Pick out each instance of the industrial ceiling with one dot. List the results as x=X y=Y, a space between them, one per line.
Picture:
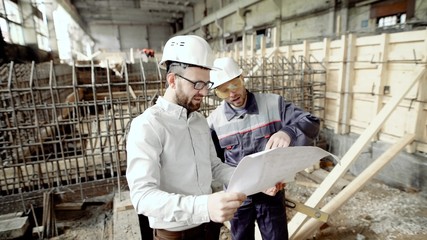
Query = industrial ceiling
x=132 y=11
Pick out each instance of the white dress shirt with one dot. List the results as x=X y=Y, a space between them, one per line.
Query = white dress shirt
x=171 y=162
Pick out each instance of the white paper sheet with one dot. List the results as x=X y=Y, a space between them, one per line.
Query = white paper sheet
x=260 y=171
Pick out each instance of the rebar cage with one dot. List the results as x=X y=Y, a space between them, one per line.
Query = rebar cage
x=62 y=125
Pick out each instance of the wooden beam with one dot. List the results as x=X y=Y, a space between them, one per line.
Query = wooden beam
x=381 y=76
x=263 y=46
x=276 y=35
x=354 y=152
x=341 y=84
x=237 y=52
x=360 y=181
x=348 y=75
x=244 y=43
x=14 y=228
x=69 y=206
x=253 y=45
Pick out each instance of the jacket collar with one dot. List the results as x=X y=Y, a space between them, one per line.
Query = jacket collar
x=251 y=107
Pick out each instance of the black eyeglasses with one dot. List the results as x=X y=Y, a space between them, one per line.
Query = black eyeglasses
x=198 y=85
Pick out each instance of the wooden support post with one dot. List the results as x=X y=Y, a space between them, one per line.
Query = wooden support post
x=236 y=52
x=354 y=152
x=276 y=35
x=263 y=46
x=289 y=52
x=342 y=197
x=253 y=46
x=341 y=84
x=347 y=101
x=325 y=62
x=381 y=76
x=244 y=42
x=305 y=50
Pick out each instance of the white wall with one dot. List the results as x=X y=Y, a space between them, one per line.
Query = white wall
x=105 y=36
x=133 y=37
x=123 y=37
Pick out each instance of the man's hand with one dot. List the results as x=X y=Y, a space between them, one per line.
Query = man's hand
x=279 y=139
x=222 y=205
x=274 y=190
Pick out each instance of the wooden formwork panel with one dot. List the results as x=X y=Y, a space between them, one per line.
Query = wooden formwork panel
x=362 y=74
x=329 y=111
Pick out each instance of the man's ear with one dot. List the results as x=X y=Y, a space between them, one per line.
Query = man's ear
x=170 y=78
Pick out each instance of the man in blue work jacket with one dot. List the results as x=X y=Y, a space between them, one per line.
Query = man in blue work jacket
x=246 y=123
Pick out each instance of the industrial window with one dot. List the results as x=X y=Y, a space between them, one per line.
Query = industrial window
x=2 y=10
x=4 y=31
x=11 y=23
x=392 y=13
x=40 y=22
x=16 y=34
x=394 y=20
x=12 y=11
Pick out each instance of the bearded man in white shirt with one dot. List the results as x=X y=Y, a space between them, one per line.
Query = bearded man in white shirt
x=171 y=159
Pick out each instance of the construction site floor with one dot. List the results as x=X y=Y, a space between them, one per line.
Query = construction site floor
x=377 y=211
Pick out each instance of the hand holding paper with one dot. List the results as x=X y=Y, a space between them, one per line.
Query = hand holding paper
x=260 y=171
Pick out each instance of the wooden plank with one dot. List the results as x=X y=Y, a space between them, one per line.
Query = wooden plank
x=69 y=206
x=404 y=37
x=368 y=40
x=11 y=215
x=253 y=46
x=379 y=82
x=348 y=75
x=354 y=152
x=305 y=51
x=342 y=197
x=263 y=46
x=312 y=212
x=277 y=34
x=37 y=232
x=340 y=84
x=14 y=228
x=235 y=53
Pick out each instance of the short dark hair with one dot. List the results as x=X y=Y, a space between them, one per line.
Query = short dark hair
x=170 y=66
x=175 y=67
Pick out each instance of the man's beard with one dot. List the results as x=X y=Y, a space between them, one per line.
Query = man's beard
x=185 y=102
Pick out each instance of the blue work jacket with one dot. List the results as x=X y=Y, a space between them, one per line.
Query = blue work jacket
x=240 y=133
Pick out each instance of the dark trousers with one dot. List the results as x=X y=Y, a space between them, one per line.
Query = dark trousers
x=144 y=226
x=269 y=213
x=207 y=231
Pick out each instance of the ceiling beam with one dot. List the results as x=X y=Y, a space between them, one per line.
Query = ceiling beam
x=148 y=5
x=131 y=15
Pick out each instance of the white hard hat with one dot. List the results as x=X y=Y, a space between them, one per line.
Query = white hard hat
x=189 y=49
x=229 y=70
